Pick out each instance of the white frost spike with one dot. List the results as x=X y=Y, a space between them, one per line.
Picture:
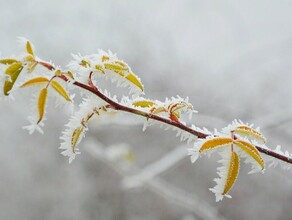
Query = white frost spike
x=145 y=125
x=194 y=154
x=274 y=162
x=33 y=126
x=204 y=130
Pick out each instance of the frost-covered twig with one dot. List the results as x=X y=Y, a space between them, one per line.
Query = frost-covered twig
x=237 y=140
x=117 y=106
x=181 y=126
x=199 y=134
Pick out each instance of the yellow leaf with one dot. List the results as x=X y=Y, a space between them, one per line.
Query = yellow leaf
x=249 y=132
x=158 y=110
x=115 y=67
x=121 y=63
x=215 y=142
x=59 y=89
x=252 y=151
x=75 y=137
x=135 y=80
x=84 y=63
x=37 y=80
x=42 y=103
x=13 y=68
x=99 y=68
x=105 y=58
x=174 y=107
x=8 y=61
x=29 y=48
x=232 y=172
x=13 y=71
x=144 y=103
x=121 y=73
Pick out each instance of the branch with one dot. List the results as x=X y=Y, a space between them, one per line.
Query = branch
x=181 y=126
x=117 y=106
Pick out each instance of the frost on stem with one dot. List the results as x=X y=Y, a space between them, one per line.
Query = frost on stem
x=43 y=80
x=273 y=162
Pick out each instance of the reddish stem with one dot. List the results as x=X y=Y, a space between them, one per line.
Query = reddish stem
x=47 y=65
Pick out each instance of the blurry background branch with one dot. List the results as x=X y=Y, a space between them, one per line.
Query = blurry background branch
x=148 y=177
